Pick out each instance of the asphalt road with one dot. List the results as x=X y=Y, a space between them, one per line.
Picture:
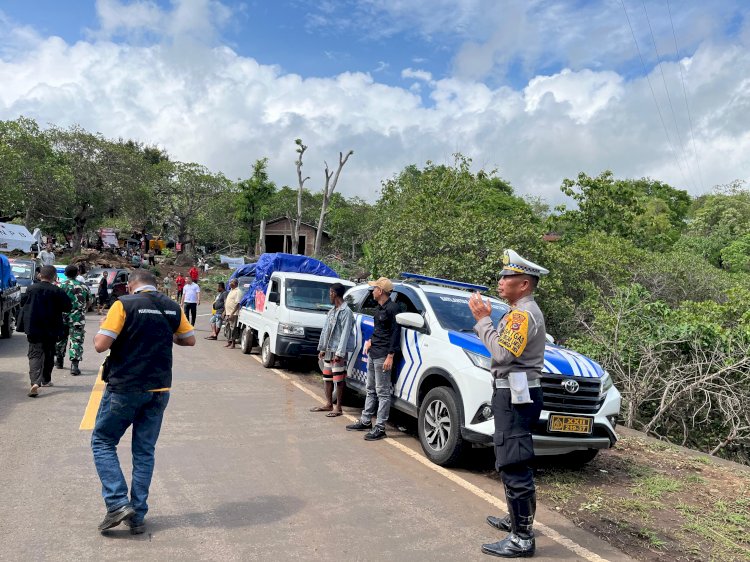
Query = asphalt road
x=243 y=472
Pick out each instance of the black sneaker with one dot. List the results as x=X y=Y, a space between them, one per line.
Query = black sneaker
x=114 y=518
x=74 y=370
x=376 y=433
x=136 y=528
x=359 y=426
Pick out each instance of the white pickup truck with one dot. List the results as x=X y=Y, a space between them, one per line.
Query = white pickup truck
x=287 y=319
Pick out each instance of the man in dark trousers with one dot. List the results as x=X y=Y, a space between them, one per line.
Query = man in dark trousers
x=44 y=304
x=139 y=331
x=381 y=350
x=517 y=350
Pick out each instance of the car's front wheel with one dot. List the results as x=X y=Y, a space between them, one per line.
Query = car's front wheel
x=439 y=426
x=267 y=357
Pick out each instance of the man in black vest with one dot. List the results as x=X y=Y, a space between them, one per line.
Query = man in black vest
x=42 y=319
x=139 y=331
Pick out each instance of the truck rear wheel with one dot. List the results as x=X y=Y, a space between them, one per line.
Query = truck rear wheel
x=8 y=325
x=247 y=341
x=267 y=357
x=439 y=426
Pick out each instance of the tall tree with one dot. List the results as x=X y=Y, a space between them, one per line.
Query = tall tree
x=189 y=190
x=32 y=174
x=332 y=179
x=295 y=222
x=253 y=194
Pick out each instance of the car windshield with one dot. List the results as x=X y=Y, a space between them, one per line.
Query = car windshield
x=308 y=295
x=453 y=311
x=21 y=270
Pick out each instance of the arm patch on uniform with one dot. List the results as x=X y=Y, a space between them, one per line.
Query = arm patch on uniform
x=515 y=334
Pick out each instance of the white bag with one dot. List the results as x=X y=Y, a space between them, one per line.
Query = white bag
x=519 y=388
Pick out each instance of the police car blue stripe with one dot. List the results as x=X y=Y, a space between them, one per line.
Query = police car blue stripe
x=416 y=369
x=577 y=368
x=595 y=367
x=551 y=368
x=469 y=342
x=411 y=364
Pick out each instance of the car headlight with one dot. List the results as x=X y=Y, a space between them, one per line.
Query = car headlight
x=291 y=330
x=606 y=383
x=480 y=361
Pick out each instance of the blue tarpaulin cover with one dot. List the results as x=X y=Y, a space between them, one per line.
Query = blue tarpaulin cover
x=243 y=271
x=7 y=279
x=267 y=264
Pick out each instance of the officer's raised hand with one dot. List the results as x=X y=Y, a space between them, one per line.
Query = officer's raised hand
x=479 y=308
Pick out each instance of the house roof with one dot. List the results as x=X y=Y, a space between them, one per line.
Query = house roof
x=279 y=219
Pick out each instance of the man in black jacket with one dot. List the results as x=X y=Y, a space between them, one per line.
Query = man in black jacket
x=139 y=331
x=42 y=318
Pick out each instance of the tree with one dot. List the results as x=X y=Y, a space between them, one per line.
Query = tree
x=189 y=189
x=31 y=172
x=436 y=221
x=648 y=212
x=328 y=189
x=351 y=223
x=253 y=194
x=296 y=220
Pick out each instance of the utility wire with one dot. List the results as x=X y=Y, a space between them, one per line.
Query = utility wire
x=680 y=144
x=653 y=95
x=687 y=106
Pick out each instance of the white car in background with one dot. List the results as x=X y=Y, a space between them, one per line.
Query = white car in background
x=443 y=376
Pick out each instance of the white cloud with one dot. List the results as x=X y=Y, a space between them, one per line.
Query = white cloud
x=586 y=92
x=416 y=74
x=210 y=105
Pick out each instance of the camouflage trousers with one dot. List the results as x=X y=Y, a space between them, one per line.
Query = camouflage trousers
x=75 y=332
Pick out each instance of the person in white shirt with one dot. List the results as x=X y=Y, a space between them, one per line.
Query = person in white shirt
x=191 y=298
x=46 y=256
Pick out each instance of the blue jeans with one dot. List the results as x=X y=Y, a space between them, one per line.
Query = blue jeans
x=378 y=392
x=118 y=411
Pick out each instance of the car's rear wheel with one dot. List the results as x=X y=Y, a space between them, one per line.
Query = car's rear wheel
x=439 y=426
x=247 y=341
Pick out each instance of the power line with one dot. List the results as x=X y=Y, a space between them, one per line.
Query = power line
x=687 y=106
x=680 y=144
x=653 y=95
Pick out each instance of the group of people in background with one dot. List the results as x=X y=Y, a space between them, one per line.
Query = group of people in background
x=52 y=318
x=226 y=307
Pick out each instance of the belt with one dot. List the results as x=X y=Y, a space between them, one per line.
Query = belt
x=504 y=383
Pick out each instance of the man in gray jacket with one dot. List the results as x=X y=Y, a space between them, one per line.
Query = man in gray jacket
x=335 y=344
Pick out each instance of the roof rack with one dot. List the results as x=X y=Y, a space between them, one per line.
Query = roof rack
x=444 y=282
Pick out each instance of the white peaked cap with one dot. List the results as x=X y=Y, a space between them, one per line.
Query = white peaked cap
x=513 y=264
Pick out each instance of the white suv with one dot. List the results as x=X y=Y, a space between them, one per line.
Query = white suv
x=443 y=378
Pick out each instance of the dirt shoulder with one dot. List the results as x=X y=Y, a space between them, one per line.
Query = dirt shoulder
x=656 y=501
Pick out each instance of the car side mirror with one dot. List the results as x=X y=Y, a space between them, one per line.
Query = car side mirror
x=411 y=320
x=550 y=339
x=274 y=298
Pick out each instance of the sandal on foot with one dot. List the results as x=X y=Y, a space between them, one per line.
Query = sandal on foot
x=334 y=414
x=321 y=409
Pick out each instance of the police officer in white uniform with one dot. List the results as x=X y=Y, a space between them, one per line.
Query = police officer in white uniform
x=517 y=350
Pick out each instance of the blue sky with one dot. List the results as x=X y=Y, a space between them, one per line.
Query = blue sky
x=539 y=90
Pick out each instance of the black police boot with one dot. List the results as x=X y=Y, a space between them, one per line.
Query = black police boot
x=499 y=523
x=74 y=370
x=59 y=361
x=520 y=542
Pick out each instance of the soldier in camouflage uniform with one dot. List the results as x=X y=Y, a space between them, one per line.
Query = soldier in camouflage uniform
x=75 y=321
